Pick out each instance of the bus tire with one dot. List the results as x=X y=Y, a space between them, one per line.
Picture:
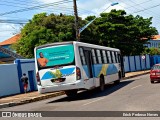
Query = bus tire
x=119 y=78
x=102 y=84
x=71 y=93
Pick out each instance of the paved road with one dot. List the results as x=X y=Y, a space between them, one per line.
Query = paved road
x=136 y=94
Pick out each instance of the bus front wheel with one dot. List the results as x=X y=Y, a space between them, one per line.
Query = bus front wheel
x=71 y=93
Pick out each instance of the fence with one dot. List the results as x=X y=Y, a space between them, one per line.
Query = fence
x=10 y=75
x=154 y=59
x=136 y=63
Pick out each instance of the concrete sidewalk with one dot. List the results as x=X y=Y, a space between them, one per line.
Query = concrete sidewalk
x=35 y=96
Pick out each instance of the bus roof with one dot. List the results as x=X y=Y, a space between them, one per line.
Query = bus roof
x=95 y=46
x=79 y=44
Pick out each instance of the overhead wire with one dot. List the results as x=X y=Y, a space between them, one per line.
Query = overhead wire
x=133 y=6
x=35 y=7
x=152 y=12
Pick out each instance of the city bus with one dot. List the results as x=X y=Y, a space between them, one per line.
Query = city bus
x=73 y=66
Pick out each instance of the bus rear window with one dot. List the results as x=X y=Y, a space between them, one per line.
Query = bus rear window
x=55 y=55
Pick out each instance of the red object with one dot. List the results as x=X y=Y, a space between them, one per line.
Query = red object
x=38 y=79
x=25 y=86
x=78 y=73
x=155 y=73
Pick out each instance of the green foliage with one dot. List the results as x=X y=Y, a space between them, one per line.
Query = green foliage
x=115 y=29
x=152 y=51
x=43 y=29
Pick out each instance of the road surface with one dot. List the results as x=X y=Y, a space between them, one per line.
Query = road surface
x=136 y=94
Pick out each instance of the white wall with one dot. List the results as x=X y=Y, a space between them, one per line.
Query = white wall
x=29 y=65
x=9 y=82
x=10 y=75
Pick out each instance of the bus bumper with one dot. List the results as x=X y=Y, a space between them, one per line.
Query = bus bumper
x=61 y=87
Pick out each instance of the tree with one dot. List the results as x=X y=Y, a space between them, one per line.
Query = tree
x=152 y=51
x=43 y=29
x=115 y=29
x=126 y=32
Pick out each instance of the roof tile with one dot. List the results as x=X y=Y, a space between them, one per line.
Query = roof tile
x=156 y=37
x=11 y=40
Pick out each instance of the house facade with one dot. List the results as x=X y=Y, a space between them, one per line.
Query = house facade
x=154 y=42
x=4 y=58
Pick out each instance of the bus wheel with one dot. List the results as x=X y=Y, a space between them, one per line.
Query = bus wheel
x=102 y=84
x=71 y=93
x=118 y=81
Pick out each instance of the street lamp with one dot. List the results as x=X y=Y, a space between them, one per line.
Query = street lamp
x=84 y=27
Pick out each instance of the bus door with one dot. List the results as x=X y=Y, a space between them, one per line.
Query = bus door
x=122 y=64
x=88 y=56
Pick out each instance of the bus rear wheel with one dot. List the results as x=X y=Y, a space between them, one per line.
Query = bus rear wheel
x=71 y=93
x=102 y=84
x=118 y=81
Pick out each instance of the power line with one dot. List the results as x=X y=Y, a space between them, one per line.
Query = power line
x=35 y=7
x=57 y=8
x=146 y=9
x=15 y=5
x=136 y=4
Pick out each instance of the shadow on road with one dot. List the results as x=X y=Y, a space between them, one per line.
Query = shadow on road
x=109 y=88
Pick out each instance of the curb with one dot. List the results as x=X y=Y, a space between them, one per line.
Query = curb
x=136 y=75
x=43 y=97
x=34 y=99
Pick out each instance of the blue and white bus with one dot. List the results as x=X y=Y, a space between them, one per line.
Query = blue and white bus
x=73 y=66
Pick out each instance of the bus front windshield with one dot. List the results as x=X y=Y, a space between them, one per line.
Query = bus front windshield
x=55 y=56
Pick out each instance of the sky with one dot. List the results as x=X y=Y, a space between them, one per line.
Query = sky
x=15 y=13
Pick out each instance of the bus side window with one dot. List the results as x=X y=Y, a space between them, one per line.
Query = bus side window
x=99 y=56
x=109 y=56
x=83 y=60
x=104 y=56
x=94 y=56
x=119 y=58
x=113 y=57
x=116 y=54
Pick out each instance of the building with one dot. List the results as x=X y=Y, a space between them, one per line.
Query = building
x=4 y=58
x=154 y=42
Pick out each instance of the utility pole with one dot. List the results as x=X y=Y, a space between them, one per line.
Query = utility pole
x=76 y=20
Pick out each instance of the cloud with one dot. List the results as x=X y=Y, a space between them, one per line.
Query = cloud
x=94 y=10
x=48 y=1
x=85 y=7
x=7 y=31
